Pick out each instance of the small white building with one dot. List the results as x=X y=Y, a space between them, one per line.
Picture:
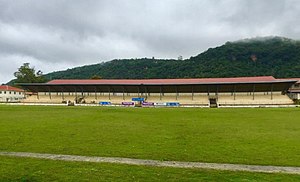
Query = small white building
x=294 y=91
x=11 y=94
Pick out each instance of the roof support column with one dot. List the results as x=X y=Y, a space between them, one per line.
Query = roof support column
x=138 y=89
x=208 y=90
x=126 y=91
x=96 y=92
x=81 y=91
x=160 y=92
x=49 y=91
x=234 y=88
x=217 y=92
x=123 y=93
x=145 y=90
x=272 y=91
x=108 y=92
x=62 y=93
x=38 y=97
x=253 y=91
x=148 y=91
x=176 y=88
x=192 y=92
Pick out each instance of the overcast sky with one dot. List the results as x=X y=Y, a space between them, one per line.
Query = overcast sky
x=58 y=34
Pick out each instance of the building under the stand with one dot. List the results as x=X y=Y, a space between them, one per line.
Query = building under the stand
x=294 y=91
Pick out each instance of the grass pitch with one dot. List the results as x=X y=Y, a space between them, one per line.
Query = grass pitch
x=247 y=136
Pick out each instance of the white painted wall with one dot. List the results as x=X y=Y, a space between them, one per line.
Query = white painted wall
x=11 y=96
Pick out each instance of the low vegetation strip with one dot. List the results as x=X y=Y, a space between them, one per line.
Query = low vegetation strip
x=157 y=163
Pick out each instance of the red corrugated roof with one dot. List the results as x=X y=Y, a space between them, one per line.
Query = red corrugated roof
x=167 y=81
x=10 y=88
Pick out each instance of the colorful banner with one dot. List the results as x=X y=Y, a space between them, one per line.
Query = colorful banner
x=105 y=103
x=128 y=103
x=138 y=99
x=173 y=104
x=160 y=104
x=147 y=104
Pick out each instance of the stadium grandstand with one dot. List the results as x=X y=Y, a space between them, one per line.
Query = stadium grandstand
x=201 y=92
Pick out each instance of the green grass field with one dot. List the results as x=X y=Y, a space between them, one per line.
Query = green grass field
x=247 y=136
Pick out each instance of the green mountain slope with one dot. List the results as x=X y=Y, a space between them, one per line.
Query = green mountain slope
x=276 y=56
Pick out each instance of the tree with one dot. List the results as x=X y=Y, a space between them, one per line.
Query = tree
x=26 y=74
x=96 y=77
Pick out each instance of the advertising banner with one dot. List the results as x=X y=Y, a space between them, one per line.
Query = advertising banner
x=105 y=103
x=160 y=104
x=138 y=99
x=147 y=104
x=128 y=103
x=173 y=104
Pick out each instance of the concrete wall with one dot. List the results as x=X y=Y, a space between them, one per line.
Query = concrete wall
x=11 y=96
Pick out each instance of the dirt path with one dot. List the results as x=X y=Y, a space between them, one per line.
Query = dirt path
x=157 y=163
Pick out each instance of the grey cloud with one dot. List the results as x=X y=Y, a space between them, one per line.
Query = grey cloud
x=57 y=34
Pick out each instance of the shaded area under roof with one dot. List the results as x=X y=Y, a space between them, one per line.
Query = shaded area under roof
x=200 y=85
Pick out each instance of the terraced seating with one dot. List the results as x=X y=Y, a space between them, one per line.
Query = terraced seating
x=258 y=99
x=223 y=99
x=182 y=99
x=43 y=99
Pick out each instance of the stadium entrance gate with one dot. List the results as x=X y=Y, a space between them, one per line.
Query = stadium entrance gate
x=213 y=102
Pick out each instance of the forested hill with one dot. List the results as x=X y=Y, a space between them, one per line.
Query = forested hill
x=276 y=56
